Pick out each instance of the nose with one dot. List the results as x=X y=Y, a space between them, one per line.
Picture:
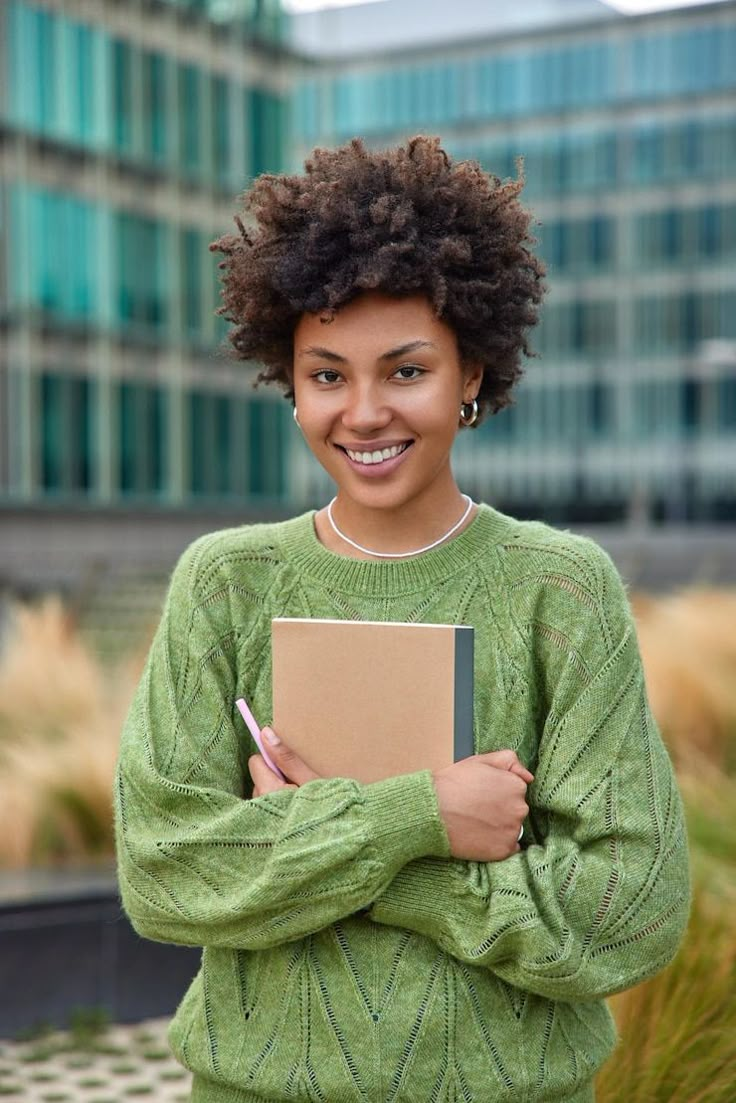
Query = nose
x=365 y=410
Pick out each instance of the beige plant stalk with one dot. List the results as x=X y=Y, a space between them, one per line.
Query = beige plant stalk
x=688 y=647
x=61 y=713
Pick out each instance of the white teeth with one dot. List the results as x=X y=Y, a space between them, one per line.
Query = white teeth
x=376 y=457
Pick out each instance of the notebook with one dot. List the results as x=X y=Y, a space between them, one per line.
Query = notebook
x=373 y=699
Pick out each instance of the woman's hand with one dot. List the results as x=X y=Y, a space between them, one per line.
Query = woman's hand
x=482 y=802
x=288 y=761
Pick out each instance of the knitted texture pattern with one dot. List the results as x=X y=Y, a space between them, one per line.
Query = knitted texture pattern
x=347 y=955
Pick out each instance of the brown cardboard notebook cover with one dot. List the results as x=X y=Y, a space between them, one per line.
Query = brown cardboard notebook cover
x=373 y=699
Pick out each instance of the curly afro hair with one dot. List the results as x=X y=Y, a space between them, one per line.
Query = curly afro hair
x=403 y=221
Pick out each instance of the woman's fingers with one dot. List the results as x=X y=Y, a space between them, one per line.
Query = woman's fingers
x=508 y=760
x=288 y=761
x=291 y=765
x=264 y=779
x=523 y=773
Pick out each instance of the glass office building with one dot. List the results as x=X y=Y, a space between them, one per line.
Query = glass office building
x=128 y=131
x=627 y=127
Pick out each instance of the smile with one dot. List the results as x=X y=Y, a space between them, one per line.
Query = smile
x=378 y=462
x=379 y=456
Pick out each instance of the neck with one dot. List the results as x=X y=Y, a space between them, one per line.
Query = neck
x=395 y=530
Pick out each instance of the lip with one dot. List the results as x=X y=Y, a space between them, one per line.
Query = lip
x=376 y=470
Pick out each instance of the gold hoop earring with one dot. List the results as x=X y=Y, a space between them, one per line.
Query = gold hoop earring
x=472 y=417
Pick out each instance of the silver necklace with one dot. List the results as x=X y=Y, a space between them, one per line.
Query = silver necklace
x=397 y=555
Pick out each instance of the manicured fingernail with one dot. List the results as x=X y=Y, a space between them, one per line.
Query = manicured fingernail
x=271 y=736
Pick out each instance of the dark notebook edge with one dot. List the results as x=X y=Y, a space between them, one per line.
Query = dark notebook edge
x=464 y=658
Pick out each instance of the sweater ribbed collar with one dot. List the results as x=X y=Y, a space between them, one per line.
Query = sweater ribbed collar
x=390 y=577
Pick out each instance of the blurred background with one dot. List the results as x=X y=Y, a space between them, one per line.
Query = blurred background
x=128 y=131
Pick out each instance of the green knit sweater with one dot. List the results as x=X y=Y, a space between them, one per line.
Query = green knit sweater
x=347 y=955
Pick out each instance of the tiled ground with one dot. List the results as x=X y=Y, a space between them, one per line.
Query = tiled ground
x=113 y=1065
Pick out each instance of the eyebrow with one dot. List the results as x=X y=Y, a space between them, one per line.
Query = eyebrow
x=334 y=357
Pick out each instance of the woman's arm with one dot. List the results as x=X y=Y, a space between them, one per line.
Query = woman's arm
x=600 y=899
x=200 y=865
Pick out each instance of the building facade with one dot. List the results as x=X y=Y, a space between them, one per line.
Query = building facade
x=627 y=127
x=128 y=131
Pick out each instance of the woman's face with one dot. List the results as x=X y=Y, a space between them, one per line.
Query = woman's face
x=384 y=374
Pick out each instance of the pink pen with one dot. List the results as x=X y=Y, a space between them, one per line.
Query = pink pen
x=255 y=731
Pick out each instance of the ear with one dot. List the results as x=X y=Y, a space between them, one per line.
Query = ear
x=472 y=379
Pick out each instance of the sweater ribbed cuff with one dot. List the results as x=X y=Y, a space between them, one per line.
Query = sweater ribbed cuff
x=406 y=817
x=417 y=897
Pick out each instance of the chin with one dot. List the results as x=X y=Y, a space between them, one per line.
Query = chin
x=378 y=497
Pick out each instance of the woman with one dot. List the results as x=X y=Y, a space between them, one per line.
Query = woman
x=435 y=936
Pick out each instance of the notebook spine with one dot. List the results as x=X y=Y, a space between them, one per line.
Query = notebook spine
x=464 y=659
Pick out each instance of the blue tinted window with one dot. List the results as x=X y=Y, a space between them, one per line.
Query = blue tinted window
x=82 y=285
x=690 y=397
x=122 y=95
x=689 y=331
x=654 y=408
x=600 y=408
x=66 y=433
x=342 y=94
x=140 y=246
x=201 y=434
x=154 y=106
x=221 y=130
x=211 y=434
x=507 y=96
x=53 y=433
x=46 y=24
x=267 y=428
x=601 y=240
x=648 y=154
x=307 y=122
x=671 y=234
x=142 y=437
x=697 y=59
x=190 y=120
x=266 y=113
x=726 y=403
x=84 y=74
x=125 y=255
x=400 y=81
x=49 y=210
x=450 y=89
x=22 y=82
x=191 y=281
x=487 y=95
x=709 y=231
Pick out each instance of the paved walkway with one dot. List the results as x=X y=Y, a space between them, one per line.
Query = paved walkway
x=118 y=1064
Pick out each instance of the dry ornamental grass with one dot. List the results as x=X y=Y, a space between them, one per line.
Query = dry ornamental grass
x=61 y=712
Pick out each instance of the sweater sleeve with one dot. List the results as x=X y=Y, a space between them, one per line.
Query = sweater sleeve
x=600 y=899
x=199 y=863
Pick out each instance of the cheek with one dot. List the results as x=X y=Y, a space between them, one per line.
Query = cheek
x=439 y=412
x=316 y=419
